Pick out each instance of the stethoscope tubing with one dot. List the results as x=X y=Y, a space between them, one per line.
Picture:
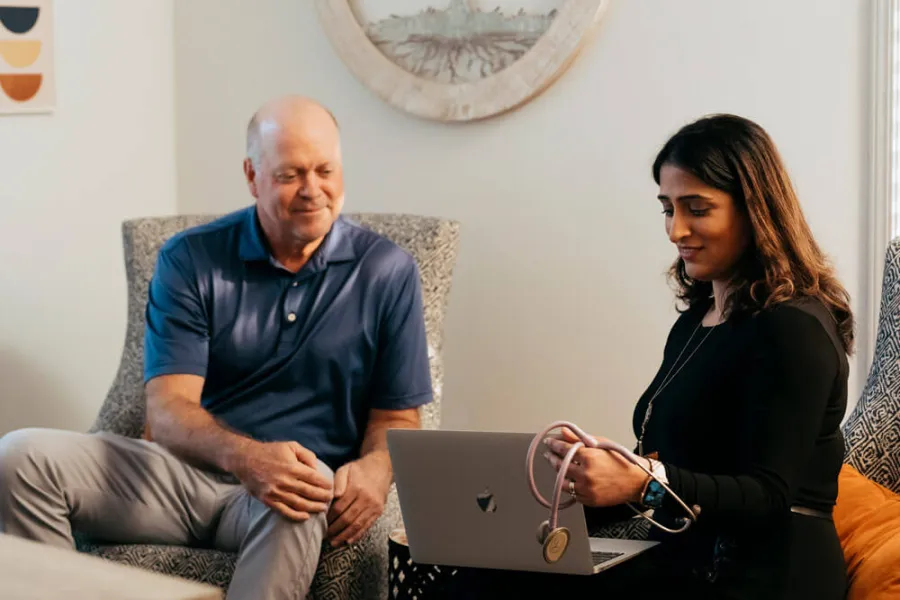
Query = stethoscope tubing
x=586 y=440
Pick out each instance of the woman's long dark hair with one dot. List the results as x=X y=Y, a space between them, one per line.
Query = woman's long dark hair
x=784 y=262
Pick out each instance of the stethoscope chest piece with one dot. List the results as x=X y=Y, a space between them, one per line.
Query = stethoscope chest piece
x=554 y=542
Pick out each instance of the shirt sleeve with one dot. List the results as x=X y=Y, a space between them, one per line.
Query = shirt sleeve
x=785 y=393
x=402 y=377
x=176 y=336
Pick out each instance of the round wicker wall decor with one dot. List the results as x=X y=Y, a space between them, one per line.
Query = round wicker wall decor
x=458 y=60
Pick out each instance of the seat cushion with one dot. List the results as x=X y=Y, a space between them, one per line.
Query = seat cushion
x=867 y=519
x=198 y=564
x=349 y=572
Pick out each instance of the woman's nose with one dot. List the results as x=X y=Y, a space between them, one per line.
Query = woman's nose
x=679 y=227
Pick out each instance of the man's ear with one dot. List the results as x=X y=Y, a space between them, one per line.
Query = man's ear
x=250 y=175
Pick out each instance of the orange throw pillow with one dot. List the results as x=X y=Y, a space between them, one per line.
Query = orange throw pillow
x=867 y=518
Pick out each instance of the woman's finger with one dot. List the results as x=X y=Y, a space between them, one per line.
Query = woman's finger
x=576 y=470
x=568 y=435
x=576 y=473
x=553 y=459
x=557 y=447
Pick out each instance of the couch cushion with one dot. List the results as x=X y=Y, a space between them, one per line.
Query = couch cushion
x=867 y=518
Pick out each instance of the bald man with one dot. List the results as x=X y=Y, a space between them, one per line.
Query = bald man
x=282 y=342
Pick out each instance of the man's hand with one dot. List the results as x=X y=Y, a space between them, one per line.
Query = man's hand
x=360 y=492
x=283 y=476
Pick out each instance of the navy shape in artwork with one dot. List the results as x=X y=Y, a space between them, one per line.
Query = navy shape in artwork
x=19 y=19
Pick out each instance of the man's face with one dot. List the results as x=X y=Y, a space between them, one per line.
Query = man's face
x=298 y=182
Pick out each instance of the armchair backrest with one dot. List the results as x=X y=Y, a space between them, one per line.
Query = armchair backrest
x=433 y=242
x=872 y=431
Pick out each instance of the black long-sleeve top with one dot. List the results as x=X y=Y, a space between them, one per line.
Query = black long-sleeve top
x=750 y=425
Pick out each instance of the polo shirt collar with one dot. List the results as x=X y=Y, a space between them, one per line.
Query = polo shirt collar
x=336 y=247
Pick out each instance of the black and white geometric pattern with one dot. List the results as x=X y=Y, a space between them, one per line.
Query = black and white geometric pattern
x=408 y=580
x=635 y=528
x=359 y=571
x=872 y=430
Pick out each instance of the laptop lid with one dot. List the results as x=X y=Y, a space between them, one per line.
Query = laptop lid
x=466 y=501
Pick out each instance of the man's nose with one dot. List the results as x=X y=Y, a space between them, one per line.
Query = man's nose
x=309 y=186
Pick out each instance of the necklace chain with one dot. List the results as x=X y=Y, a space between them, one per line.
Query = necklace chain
x=668 y=379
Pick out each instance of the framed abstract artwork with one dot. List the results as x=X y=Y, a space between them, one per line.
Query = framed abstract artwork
x=26 y=56
x=458 y=60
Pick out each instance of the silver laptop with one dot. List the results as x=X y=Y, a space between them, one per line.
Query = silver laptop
x=466 y=503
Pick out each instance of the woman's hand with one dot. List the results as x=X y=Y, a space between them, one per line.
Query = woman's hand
x=602 y=478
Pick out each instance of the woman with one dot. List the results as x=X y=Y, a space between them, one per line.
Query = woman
x=744 y=416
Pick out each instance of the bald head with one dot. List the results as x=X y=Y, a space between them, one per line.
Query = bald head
x=294 y=170
x=294 y=113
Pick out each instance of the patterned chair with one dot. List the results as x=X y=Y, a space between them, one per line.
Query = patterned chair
x=872 y=430
x=354 y=572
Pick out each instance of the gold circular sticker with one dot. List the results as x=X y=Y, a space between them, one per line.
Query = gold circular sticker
x=556 y=544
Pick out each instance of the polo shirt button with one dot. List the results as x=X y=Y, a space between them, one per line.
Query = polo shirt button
x=294 y=284
x=292 y=317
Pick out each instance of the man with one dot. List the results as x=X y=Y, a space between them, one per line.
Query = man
x=282 y=342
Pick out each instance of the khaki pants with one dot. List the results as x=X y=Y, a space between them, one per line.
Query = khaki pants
x=124 y=490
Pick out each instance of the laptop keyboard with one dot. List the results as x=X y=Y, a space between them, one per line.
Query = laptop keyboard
x=599 y=558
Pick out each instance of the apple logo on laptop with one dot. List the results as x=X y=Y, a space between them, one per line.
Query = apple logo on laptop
x=486 y=501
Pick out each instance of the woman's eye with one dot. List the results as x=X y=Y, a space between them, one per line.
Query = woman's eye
x=668 y=212
x=700 y=212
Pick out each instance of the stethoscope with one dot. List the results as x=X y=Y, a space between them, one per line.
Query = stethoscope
x=555 y=539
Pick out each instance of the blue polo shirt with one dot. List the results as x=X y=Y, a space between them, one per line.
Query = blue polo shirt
x=288 y=356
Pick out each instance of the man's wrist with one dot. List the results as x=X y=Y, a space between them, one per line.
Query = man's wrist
x=378 y=464
x=233 y=456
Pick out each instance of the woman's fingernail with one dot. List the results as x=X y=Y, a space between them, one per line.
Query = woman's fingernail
x=547 y=455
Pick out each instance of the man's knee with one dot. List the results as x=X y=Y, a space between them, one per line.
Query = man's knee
x=310 y=530
x=24 y=454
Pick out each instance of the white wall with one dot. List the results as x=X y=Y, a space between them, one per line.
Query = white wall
x=559 y=308
x=67 y=180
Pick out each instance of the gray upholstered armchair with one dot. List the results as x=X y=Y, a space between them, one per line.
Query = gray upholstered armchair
x=359 y=571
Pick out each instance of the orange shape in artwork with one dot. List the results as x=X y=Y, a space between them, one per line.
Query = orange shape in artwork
x=21 y=87
x=20 y=53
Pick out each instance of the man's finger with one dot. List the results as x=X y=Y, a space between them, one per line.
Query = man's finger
x=298 y=503
x=312 y=476
x=364 y=529
x=341 y=480
x=340 y=505
x=305 y=490
x=287 y=511
x=352 y=530
x=344 y=518
x=304 y=455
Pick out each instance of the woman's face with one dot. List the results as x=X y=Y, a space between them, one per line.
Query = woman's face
x=711 y=233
